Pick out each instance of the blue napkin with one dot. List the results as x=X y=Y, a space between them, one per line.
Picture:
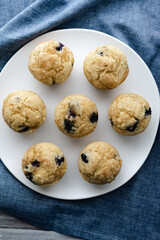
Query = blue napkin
x=132 y=211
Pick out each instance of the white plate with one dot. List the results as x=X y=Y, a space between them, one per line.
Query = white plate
x=133 y=150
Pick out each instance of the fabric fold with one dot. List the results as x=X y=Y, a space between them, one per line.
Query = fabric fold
x=38 y=18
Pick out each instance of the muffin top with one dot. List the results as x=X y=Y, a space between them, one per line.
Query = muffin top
x=24 y=111
x=99 y=162
x=76 y=115
x=51 y=62
x=129 y=114
x=44 y=164
x=106 y=67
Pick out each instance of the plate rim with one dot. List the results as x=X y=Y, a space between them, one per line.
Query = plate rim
x=153 y=80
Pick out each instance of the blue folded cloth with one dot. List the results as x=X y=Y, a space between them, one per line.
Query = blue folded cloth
x=132 y=211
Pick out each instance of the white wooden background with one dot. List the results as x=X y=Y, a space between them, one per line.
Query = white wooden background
x=14 y=229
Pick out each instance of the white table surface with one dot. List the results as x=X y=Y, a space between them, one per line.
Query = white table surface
x=14 y=229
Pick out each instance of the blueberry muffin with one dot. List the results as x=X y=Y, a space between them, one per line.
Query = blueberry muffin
x=106 y=67
x=51 y=62
x=99 y=163
x=129 y=114
x=44 y=164
x=76 y=116
x=23 y=111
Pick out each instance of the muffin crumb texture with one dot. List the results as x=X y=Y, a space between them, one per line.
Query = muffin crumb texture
x=129 y=114
x=99 y=163
x=24 y=111
x=51 y=62
x=44 y=164
x=76 y=115
x=106 y=67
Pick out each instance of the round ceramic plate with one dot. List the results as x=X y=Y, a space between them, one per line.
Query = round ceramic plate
x=133 y=150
